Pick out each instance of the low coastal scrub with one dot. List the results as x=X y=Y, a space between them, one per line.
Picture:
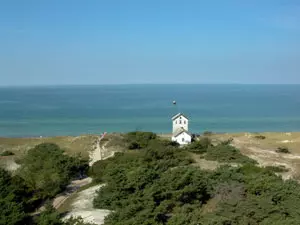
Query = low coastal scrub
x=45 y=172
x=283 y=150
x=222 y=152
x=199 y=146
x=157 y=185
x=261 y=137
x=6 y=153
x=277 y=169
x=207 y=133
x=139 y=139
x=226 y=153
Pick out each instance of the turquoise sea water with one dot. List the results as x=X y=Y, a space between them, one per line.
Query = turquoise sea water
x=74 y=110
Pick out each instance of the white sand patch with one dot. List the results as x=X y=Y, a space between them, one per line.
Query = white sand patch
x=9 y=164
x=83 y=207
x=286 y=141
x=71 y=189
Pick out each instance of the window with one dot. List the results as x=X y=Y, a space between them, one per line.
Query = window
x=184 y=122
x=179 y=121
x=176 y=122
x=182 y=139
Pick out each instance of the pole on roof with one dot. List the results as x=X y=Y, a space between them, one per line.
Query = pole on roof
x=176 y=105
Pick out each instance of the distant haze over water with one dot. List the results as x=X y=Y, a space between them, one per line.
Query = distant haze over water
x=75 y=110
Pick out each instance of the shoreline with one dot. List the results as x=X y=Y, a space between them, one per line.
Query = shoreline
x=158 y=133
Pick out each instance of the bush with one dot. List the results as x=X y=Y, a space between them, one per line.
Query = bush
x=139 y=139
x=277 y=169
x=6 y=153
x=227 y=153
x=12 y=207
x=207 y=133
x=261 y=137
x=227 y=142
x=283 y=150
x=47 y=170
x=199 y=146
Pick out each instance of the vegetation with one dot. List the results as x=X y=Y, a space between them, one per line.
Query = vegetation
x=261 y=137
x=156 y=185
x=224 y=152
x=199 y=146
x=45 y=171
x=6 y=153
x=282 y=150
x=207 y=133
x=52 y=217
x=13 y=194
x=71 y=145
x=277 y=169
x=138 y=139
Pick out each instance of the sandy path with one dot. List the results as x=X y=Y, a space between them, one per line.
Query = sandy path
x=96 y=155
x=83 y=207
x=100 y=152
x=71 y=189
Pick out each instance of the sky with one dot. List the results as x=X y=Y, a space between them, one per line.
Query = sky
x=59 y=42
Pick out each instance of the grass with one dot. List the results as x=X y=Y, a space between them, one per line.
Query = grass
x=272 y=140
x=72 y=145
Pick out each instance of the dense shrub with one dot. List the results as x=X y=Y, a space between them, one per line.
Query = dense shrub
x=141 y=190
x=12 y=198
x=261 y=137
x=277 y=169
x=47 y=170
x=6 y=153
x=282 y=150
x=227 y=142
x=227 y=153
x=199 y=146
x=207 y=133
x=139 y=139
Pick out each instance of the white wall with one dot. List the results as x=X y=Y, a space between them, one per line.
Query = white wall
x=180 y=122
x=183 y=138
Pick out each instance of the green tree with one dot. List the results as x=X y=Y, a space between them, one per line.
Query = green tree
x=47 y=170
x=11 y=208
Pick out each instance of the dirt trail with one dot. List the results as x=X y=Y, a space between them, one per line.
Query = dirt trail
x=71 y=189
x=100 y=151
x=83 y=207
x=96 y=155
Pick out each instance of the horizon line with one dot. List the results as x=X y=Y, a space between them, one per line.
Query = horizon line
x=133 y=84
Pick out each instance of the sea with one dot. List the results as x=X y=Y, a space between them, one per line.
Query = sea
x=77 y=110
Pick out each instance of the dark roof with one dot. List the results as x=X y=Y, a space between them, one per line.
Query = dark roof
x=179 y=114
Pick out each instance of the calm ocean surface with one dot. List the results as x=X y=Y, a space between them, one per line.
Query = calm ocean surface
x=74 y=110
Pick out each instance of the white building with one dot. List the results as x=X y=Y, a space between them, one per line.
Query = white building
x=180 y=129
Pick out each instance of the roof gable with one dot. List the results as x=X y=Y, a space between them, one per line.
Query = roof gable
x=178 y=115
x=180 y=131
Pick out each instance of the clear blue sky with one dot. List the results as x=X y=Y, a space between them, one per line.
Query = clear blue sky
x=149 y=41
